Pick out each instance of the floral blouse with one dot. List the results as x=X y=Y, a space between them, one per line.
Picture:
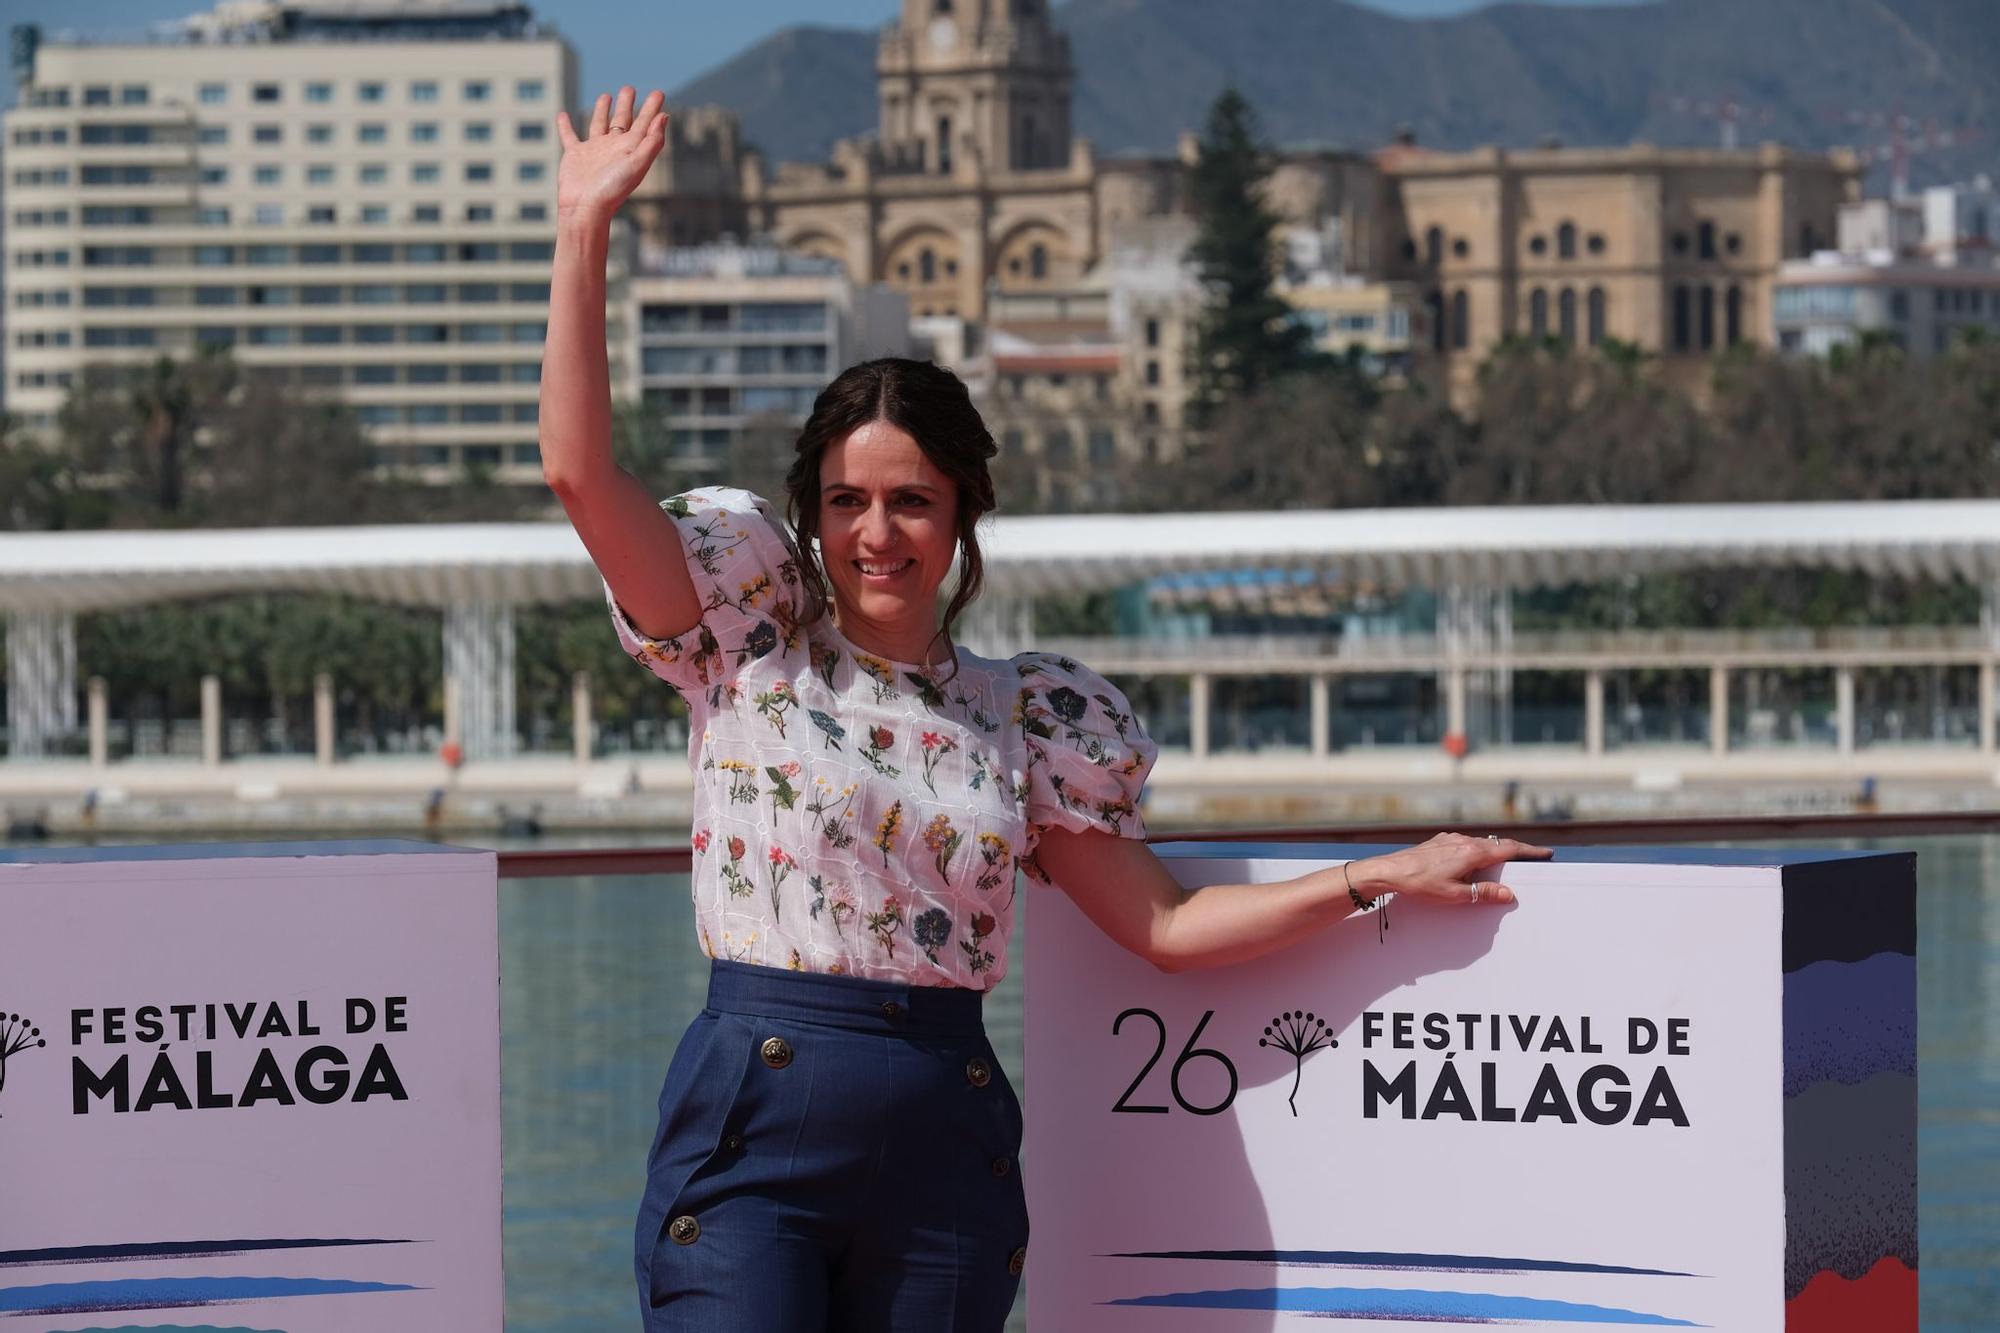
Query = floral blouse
x=861 y=816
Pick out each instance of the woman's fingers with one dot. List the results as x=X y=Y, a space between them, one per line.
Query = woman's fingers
x=565 y=131
x=621 y=114
x=649 y=111
x=600 y=115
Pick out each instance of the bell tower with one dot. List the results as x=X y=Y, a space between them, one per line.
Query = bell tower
x=986 y=77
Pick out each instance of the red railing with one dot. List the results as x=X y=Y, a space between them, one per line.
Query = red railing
x=538 y=863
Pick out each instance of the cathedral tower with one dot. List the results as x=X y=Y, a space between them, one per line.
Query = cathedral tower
x=989 y=77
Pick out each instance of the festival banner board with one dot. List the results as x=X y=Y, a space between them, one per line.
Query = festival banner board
x=1669 y=1087
x=261 y=1077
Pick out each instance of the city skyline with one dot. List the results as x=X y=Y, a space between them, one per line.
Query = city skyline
x=610 y=44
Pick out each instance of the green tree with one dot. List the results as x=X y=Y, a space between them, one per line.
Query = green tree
x=1246 y=337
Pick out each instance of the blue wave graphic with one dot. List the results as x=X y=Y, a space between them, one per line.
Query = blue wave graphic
x=169 y=1249
x=173 y=1293
x=167 y=1328
x=1466 y=1307
x=1847 y=1022
x=1394 y=1261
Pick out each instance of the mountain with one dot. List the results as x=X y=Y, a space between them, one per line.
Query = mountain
x=1813 y=73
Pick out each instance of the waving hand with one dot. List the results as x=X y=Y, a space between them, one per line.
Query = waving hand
x=599 y=171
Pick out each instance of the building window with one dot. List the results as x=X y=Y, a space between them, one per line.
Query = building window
x=369 y=91
x=528 y=172
x=1538 y=313
x=321 y=134
x=1460 y=248
x=424 y=173
x=1538 y=245
x=212 y=134
x=267 y=134
x=478 y=172
x=528 y=90
x=133 y=94
x=478 y=131
x=213 y=94
x=1680 y=242
x=477 y=90
x=321 y=175
x=1566 y=241
x=319 y=92
x=1596 y=315
x=1899 y=304
x=1461 y=320
x=1152 y=373
x=1038 y=261
x=374 y=173
x=1705 y=242
x=426 y=213
x=424 y=90
x=1152 y=333
x=424 y=131
x=266 y=93
x=375 y=214
x=1706 y=297
x=926 y=265
x=1434 y=246
x=1595 y=244
x=268 y=175
x=1682 y=321
x=944 y=145
x=1566 y=316
x=373 y=132
x=1732 y=315
x=530 y=131
x=1733 y=243
x=1434 y=307
x=270 y=215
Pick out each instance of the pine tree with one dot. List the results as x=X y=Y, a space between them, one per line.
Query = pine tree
x=1246 y=338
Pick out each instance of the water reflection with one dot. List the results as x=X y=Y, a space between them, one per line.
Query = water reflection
x=600 y=975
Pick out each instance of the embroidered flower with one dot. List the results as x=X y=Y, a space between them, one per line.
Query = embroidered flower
x=886 y=832
x=943 y=841
x=931 y=930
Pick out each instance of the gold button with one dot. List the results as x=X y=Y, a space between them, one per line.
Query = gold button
x=685 y=1230
x=777 y=1052
x=978 y=1072
x=1001 y=1166
x=1018 y=1262
x=891 y=1010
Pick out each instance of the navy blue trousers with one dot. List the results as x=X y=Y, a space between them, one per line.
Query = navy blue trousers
x=833 y=1153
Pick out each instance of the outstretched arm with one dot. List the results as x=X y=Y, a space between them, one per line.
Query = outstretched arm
x=1126 y=890
x=634 y=544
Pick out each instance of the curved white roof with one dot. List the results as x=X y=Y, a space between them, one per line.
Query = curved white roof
x=1521 y=546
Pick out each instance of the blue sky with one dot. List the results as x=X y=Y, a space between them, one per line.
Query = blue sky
x=664 y=43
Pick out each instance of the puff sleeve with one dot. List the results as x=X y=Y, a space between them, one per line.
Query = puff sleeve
x=1087 y=756
x=746 y=572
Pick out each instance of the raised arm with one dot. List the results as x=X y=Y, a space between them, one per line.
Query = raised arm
x=634 y=544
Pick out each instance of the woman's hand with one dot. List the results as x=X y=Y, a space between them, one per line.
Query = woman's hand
x=600 y=171
x=1445 y=868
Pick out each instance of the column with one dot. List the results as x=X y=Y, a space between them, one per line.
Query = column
x=1198 y=714
x=1320 y=715
x=1593 y=713
x=100 y=726
x=1843 y=708
x=323 y=720
x=1718 y=709
x=479 y=667
x=211 y=721
x=1987 y=701
x=1454 y=702
x=583 y=732
x=41 y=679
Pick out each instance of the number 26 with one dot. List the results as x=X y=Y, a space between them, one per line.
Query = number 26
x=1188 y=1052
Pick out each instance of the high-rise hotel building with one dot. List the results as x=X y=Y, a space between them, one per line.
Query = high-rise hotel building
x=355 y=196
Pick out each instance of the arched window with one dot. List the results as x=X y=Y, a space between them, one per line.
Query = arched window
x=1705 y=241
x=944 y=145
x=926 y=265
x=1538 y=313
x=1461 y=320
x=1434 y=307
x=1434 y=246
x=1038 y=261
x=1682 y=322
x=1566 y=316
x=1566 y=241
x=1707 y=300
x=1732 y=316
x=1596 y=315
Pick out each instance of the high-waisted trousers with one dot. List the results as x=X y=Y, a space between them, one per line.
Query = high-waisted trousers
x=834 y=1153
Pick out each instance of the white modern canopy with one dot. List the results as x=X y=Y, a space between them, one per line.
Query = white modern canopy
x=1026 y=557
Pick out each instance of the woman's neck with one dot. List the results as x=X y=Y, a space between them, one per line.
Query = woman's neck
x=897 y=643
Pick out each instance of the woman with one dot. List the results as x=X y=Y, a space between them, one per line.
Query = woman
x=837 y=1142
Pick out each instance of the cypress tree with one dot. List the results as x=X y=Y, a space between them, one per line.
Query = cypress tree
x=1246 y=338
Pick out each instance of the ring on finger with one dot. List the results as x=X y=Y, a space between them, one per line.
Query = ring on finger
x=1475 y=890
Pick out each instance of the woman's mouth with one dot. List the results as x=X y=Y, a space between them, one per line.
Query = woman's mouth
x=883 y=571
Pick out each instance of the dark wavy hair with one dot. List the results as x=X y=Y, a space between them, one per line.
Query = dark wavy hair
x=932 y=405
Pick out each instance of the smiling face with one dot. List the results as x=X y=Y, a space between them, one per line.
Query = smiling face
x=888 y=532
